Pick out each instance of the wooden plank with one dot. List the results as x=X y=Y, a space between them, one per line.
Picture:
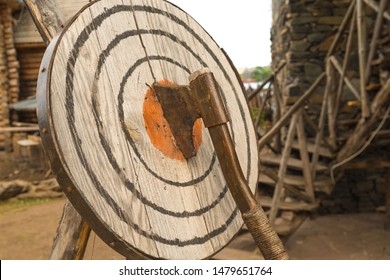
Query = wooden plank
x=306 y=170
x=375 y=6
x=321 y=184
x=374 y=39
x=279 y=191
x=322 y=151
x=351 y=87
x=292 y=162
x=26 y=32
x=293 y=206
x=362 y=42
x=342 y=27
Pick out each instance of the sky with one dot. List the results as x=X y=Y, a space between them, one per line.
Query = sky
x=243 y=30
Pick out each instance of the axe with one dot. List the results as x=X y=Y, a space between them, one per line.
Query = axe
x=182 y=105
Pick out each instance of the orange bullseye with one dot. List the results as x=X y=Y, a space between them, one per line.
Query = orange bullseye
x=158 y=129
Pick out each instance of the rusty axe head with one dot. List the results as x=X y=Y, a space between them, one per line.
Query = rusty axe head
x=183 y=105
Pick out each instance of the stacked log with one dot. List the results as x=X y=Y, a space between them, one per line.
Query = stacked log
x=11 y=55
x=29 y=59
x=5 y=140
x=9 y=73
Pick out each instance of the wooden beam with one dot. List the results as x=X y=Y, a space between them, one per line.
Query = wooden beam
x=18 y=129
x=278 y=192
x=302 y=141
x=342 y=27
x=362 y=41
x=375 y=36
x=375 y=7
x=348 y=48
x=284 y=119
x=67 y=244
x=72 y=231
x=352 y=88
x=47 y=17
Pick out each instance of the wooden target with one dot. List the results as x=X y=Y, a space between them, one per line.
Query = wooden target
x=110 y=147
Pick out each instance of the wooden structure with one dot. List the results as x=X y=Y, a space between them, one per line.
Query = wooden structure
x=305 y=167
x=9 y=71
x=183 y=214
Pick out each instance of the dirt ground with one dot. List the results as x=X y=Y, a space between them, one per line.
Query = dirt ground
x=27 y=230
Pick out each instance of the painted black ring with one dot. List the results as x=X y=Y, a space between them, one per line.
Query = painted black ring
x=97 y=21
x=120 y=213
x=114 y=163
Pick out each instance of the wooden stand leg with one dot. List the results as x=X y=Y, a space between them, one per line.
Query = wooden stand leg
x=72 y=233
x=72 y=236
x=387 y=182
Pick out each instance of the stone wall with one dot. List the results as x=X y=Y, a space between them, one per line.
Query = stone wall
x=302 y=33
x=358 y=191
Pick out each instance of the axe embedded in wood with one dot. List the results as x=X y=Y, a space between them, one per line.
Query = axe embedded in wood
x=182 y=105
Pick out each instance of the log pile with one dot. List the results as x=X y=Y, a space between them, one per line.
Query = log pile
x=9 y=72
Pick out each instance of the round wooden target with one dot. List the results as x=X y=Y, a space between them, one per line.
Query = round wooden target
x=94 y=109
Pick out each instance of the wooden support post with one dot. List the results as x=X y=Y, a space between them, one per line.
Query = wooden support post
x=375 y=6
x=330 y=84
x=72 y=232
x=72 y=236
x=284 y=119
x=362 y=41
x=47 y=16
x=302 y=141
x=387 y=182
x=278 y=113
x=279 y=192
x=340 y=88
x=319 y=135
x=342 y=27
x=377 y=29
x=337 y=66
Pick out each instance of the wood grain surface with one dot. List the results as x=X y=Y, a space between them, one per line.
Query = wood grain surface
x=100 y=71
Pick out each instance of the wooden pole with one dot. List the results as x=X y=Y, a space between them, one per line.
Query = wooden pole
x=72 y=232
x=387 y=182
x=362 y=40
x=18 y=129
x=47 y=17
x=330 y=77
x=302 y=141
x=342 y=27
x=377 y=29
x=284 y=119
x=348 y=49
x=375 y=6
x=352 y=88
x=278 y=192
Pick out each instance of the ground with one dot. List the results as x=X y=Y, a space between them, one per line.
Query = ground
x=27 y=229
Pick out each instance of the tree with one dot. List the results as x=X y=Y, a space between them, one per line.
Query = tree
x=260 y=73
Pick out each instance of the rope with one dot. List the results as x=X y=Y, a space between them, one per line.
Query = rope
x=264 y=235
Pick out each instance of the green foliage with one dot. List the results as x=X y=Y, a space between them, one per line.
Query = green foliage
x=17 y=205
x=260 y=73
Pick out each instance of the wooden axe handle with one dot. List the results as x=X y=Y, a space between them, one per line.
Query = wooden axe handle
x=209 y=102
